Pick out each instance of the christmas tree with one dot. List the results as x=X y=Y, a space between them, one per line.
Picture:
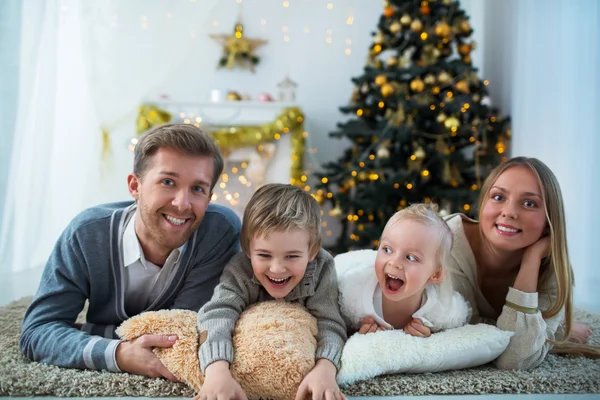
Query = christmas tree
x=421 y=127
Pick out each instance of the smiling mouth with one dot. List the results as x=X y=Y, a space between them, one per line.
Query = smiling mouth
x=281 y=282
x=175 y=221
x=392 y=283
x=506 y=229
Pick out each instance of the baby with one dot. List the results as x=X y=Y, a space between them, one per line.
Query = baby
x=281 y=259
x=404 y=284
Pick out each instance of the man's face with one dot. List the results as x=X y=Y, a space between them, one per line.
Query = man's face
x=172 y=198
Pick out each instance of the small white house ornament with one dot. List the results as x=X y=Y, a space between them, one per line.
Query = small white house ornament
x=287 y=90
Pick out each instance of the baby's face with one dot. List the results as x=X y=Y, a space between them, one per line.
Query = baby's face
x=279 y=260
x=406 y=259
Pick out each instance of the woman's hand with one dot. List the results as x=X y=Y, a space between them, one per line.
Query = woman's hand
x=580 y=333
x=538 y=251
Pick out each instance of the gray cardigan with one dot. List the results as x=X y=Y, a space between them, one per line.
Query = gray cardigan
x=317 y=291
x=87 y=264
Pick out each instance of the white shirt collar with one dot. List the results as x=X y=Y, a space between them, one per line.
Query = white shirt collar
x=132 y=250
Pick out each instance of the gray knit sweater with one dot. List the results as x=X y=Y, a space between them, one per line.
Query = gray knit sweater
x=238 y=288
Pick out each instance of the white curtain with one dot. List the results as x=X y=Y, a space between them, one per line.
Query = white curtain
x=84 y=67
x=542 y=58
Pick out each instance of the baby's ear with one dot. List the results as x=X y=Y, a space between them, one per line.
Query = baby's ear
x=436 y=278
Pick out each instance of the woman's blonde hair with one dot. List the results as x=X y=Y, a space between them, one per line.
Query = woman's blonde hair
x=277 y=207
x=427 y=214
x=557 y=263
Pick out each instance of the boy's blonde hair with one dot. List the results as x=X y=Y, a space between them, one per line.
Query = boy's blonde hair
x=277 y=207
x=427 y=215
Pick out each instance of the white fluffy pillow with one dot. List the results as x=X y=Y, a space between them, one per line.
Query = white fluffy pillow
x=390 y=352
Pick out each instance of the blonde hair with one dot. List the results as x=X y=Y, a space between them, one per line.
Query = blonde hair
x=185 y=138
x=557 y=263
x=427 y=214
x=279 y=207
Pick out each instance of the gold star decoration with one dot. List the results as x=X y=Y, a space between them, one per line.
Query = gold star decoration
x=238 y=49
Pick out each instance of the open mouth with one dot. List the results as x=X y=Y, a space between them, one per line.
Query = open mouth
x=393 y=284
x=281 y=282
x=175 y=221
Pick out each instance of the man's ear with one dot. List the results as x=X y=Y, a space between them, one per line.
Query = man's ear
x=133 y=185
x=435 y=278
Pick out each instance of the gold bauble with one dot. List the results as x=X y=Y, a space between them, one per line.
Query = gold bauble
x=451 y=122
x=464 y=49
x=476 y=98
x=417 y=85
x=416 y=25
x=233 y=96
x=442 y=29
x=467 y=59
x=462 y=86
x=406 y=20
x=392 y=61
x=362 y=176
x=387 y=90
x=441 y=117
x=378 y=38
x=464 y=26
x=444 y=77
x=380 y=80
x=429 y=79
x=509 y=133
x=319 y=198
x=336 y=212
x=395 y=27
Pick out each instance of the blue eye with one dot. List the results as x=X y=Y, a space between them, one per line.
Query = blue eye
x=529 y=203
x=167 y=182
x=198 y=189
x=410 y=257
x=498 y=197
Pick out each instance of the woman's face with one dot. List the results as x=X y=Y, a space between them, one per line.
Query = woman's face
x=513 y=216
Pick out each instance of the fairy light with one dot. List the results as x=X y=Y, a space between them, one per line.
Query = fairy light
x=330 y=6
x=350 y=20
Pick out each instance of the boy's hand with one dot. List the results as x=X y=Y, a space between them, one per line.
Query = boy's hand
x=416 y=328
x=219 y=384
x=137 y=357
x=320 y=382
x=368 y=325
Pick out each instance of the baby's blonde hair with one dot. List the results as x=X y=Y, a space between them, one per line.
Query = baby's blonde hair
x=277 y=207
x=427 y=215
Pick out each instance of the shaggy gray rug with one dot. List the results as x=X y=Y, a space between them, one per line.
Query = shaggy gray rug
x=558 y=374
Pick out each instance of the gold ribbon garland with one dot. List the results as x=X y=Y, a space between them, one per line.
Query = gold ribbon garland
x=289 y=121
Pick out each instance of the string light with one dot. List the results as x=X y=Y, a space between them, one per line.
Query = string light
x=330 y=6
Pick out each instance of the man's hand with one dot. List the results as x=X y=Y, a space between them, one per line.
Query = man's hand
x=416 y=328
x=320 y=382
x=368 y=325
x=219 y=384
x=136 y=356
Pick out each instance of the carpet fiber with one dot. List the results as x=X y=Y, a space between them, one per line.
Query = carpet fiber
x=558 y=374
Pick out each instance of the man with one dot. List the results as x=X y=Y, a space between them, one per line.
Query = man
x=165 y=250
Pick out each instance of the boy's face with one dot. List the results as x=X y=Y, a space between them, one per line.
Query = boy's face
x=406 y=260
x=279 y=260
x=172 y=197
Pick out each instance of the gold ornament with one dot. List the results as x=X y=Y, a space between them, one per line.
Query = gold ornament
x=509 y=133
x=476 y=98
x=387 y=90
x=337 y=211
x=416 y=25
x=442 y=29
x=467 y=59
x=398 y=117
x=392 y=62
x=464 y=49
x=462 y=86
x=380 y=80
x=149 y=116
x=415 y=162
x=417 y=85
x=233 y=96
x=444 y=77
x=441 y=117
x=362 y=176
x=464 y=26
x=378 y=38
x=429 y=79
x=395 y=27
x=383 y=152
x=290 y=120
x=319 y=198
x=355 y=95
x=451 y=122
x=425 y=10
x=388 y=11
x=446 y=172
x=364 y=89
x=406 y=20
x=238 y=49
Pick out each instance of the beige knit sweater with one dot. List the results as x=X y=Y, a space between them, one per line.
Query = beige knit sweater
x=521 y=315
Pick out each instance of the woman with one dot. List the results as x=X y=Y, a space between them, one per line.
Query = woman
x=513 y=265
